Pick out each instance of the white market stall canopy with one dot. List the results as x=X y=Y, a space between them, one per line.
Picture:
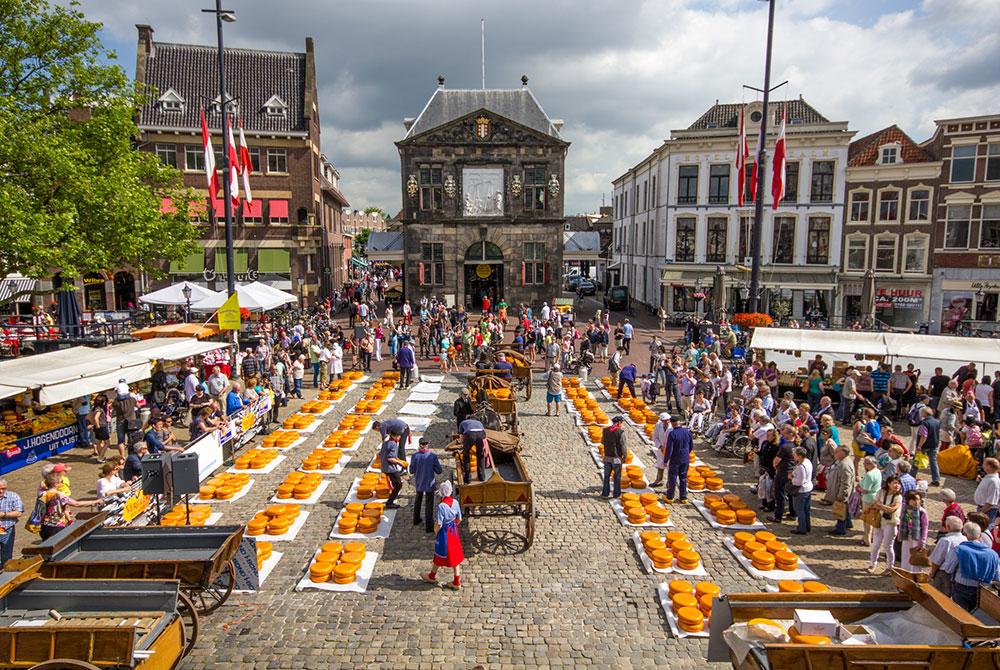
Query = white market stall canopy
x=70 y=373
x=819 y=341
x=174 y=295
x=9 y=391
x=256 y=296
x=167 y=349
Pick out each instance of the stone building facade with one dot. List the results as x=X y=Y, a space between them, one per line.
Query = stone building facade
x=482 y=174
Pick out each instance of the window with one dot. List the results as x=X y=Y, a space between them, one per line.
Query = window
x=963 y=163
x=859 y=206
x=920 y=199
x=989 y=230
x=746 y=228
x=791 y=182
x=431 y=264
x=533 y=269
x=194 y=157
x=885 y=254
x=254 y=159
x=277 y=211
x=684 y=299
x=687 y=185
x=718 y=184
x=888 y=205
x=277 y=160
x=783 y=248
x=915 y=253
x=818 y=241
x=684 y=241
x=645 y=195
x=822 y=182
x=431 y=190
x=956 y=229
x=857 y=252
x=654 y=191
x=167 y=153
x=748 y=194
x=534 y=187
x=992 y=162
x=625 y=206
x=716 y=252
x=889 y=155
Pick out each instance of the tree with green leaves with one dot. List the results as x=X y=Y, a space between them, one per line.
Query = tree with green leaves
x=76 y=194
x=361 y=243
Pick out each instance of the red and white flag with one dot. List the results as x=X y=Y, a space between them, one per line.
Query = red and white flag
x=234 y=167
x=742 y=152
x=206 y=142
x=778 y=179
x=246 y=165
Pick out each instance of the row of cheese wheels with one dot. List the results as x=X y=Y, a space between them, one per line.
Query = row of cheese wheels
x=315 y=406
x=178 y=515
x=274 y=520
x=640 y=507
x=360 y=518
x=264 y=551
x=666 y=551
x=373 y=485
x=633 y=477
x=337 y=563
x=730 y=509
x=298 y=421
x=322 y=459
x=280 y=439
x=765 y=551
x=299 y=485
x=692 y=603
x=223 y=487
x=255 y=459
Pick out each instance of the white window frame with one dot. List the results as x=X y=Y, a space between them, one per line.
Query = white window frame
x=275 y=106
x=847 y=251
x=283 y=151
x=850 y=206
x=951 y=165
x=895 y=146
x=967 y=221
x=899 y=204
x=930 y=202
x=907 y=240
x=895 y=252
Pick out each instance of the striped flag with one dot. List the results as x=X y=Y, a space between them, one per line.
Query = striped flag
x=742 y=152
x=206 y=143
x=246 y=165
x=778 y=179
x=234 y=167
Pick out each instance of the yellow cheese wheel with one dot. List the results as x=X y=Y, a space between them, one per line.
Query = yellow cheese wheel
x=679 y=600
x=815 y=587
x=681 y=545
x=321 y=569
x=774 y=546
x=747 y=517
x=653 y=544
x=368 y=525
x=705 y=604
x=707 y=588
x=750 y=548
x=206 y=492
x=688 y=560
x=354 y=508
x=741 y=538
x=796 y=638
x=763 y=561
x=662 y=558
x=788 y=586
x=354 y=557
x=328 y=557
x=726 y=517
x=675 y=535
x=764 y=536
x=355 y=548
x=647 y=535
x=680 y=586
x=690 y=619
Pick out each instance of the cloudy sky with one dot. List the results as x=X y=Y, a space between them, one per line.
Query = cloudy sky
x=621 y=73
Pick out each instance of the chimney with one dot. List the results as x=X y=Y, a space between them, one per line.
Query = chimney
x=440 y=81
x=145 y=37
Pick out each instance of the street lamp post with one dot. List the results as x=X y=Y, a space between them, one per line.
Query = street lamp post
x=758 y=212
x=187 y=302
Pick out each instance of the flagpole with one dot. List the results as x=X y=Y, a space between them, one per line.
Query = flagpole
x=758 y=212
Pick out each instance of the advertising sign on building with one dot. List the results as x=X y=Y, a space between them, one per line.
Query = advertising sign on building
x=900 y=307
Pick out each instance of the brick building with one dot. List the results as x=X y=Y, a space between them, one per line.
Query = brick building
x=482 y=174
x=292 y=235
x=890 y=214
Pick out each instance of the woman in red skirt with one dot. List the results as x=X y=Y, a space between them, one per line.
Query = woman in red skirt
x=448 y=545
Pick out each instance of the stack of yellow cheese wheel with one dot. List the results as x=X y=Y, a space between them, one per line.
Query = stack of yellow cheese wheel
x=280 y=439
x=705 y=592
x=315 y=406
x=341 y=439
x=633 y=477
x=299 y=485
x=368 y=406
x=360 y=518
x=729 y=509
x=223 y=487
x=298 y=421
x=391 y=374
x=766 y=552
x=337 y=563
x=264 y=551
x=275 y=520
x=633 y=508
x=255 y=459
x=178 y=515
x=373 y=485
x=322 y=459
x=685 y=606
x=354 y=375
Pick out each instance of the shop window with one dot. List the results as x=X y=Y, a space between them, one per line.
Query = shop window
x=432 y=264
x=814 y=305
x=685 y=240
x=885 y=254
x=818 y=242
x=956 y=230
x=989 y=236
x=684 y=300
x=860 y=201
x=716 y=251
x=857 y=253
x=915 y=254
x=783 y=243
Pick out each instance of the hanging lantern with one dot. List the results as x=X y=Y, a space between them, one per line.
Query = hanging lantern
x=515 y=186
x=553 y=186
x=411 y=186
x=449 y=186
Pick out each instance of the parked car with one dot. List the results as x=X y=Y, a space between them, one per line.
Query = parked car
x=616 y=298
x=586 y=287
x=573 y=281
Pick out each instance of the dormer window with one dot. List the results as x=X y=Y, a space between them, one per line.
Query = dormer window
x=171 y=101
x=889 y=155
x=275 y=106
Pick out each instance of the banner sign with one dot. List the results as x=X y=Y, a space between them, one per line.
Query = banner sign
x=209 y=450
x=28 y=450
x=136 y=504
x=245 y=562
x=229 y=313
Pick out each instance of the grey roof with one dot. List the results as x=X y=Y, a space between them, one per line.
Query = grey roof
x=517 y=104
x=252 y=78
x=582 y=240
x=727 y=115
x=382 y=241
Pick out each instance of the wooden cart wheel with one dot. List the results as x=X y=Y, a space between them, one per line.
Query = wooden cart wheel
x=64 y=664
x=189 y=615
x=207 y=600
x=527 y=387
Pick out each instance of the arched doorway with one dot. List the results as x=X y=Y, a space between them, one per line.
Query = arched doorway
x=483 y=274
x=124 y=290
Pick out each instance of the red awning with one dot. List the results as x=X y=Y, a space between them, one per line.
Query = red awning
x=167 y=206
x=219 y=206
x=253 y=209
x=278 y=209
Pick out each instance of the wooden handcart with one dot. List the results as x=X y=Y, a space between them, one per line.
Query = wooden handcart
x=520 y=374
x=507 y=490
x=502 y=414
x=978 y=650
x=88 y=624
x=199 y=557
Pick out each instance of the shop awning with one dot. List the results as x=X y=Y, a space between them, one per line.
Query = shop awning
x=14 y=284
x=167 y=349
x=277 y=209
x=820 y=341
x=905 y=346
x=70 y=373
x=196 y=330
x=253 y=209
x=358 y=262
x=670 y=276
x=255 y=296
x=10 y=391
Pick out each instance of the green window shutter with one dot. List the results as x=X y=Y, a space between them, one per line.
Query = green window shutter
x=190 y=264
x=242 y=260
x=240 y=256
x=274 y=260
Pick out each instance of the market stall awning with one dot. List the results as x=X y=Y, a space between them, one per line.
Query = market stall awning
x=10 y=391
x=197 y=330
x=671 y=276
x=358 y=262
x=14 y=284
x=174 y=294
x=983 y=350
x=167 y=349
x=70 y=373
x=255 y=296
x=820 y=341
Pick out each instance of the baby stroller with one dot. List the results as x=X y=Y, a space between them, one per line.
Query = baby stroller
x=171 y=405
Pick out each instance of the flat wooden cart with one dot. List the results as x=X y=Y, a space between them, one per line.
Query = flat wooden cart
x=507 y=491
x=199 y=557
x=88 y=624
x=520 y=375
x=482 y=390
x=978 y=650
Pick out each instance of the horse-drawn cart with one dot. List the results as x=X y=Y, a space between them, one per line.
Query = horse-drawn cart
x=88 y=624
x=507 y=490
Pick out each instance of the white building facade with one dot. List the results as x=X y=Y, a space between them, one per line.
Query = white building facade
x=680 y=235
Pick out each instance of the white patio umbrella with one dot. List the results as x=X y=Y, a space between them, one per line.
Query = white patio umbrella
x=174 y=295
x=256 y=297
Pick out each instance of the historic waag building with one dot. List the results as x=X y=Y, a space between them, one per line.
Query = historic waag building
x=482 y=178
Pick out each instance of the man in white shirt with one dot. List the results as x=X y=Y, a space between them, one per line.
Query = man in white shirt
x=987 y=497
x=546 y=312
x=660 y=434
x=944 y=548
x=191 y=383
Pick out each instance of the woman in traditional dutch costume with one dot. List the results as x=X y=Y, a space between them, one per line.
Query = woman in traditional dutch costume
x=448 y=545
